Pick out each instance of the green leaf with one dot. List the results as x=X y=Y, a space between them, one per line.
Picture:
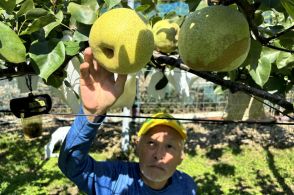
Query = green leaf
x=91 y=3
x=25 y=7
x=150 y=6
x=71 y=47
x=155 y=19
x=289 y=7
x=82 y=33
x=56 y=79
x=170 y=15
x=254 y=53
x=48 y=56
x=38 y=24
x=82 y=13
x=276 y=84
x=142 y=8
x=8 y=5
x=111 y=3
x=36 y=13
x=284 y=59
x=48 y=28
x=11 y=47
x=270 y=54
x=286 y=40
x=269 y=4
x=79 y=36
x=260 y=73
x=218 y=90
x=285 y=71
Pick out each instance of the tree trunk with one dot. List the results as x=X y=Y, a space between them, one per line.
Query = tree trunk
x=242 y=106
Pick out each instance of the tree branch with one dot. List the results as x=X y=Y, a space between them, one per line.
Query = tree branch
x=278 y=48
x=279 y=34
x=233 y=86
x=15 y=70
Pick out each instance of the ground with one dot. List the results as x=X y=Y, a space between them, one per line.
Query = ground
x=214 y=139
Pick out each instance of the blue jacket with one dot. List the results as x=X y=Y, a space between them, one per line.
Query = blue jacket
x=108 y=177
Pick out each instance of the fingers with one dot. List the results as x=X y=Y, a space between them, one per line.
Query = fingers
x=88 y=55
x=85 y=66
x=120 y=83
x=85 y=73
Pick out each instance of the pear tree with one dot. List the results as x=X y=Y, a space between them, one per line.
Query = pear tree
x=42 y=37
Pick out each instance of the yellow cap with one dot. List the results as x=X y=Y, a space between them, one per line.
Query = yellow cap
x=162 y=119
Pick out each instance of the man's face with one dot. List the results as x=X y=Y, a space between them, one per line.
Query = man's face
x=160 y=151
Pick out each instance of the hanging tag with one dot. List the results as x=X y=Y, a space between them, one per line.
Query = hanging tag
x=31 y=105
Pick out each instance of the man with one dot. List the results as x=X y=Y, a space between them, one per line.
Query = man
x=159 y=148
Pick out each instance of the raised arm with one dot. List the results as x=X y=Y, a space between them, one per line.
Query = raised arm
x=99 y=90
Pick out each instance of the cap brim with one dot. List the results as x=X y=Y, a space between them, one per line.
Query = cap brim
x=168 y=122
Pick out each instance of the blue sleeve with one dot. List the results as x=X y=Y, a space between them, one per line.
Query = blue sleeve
x=74 y=160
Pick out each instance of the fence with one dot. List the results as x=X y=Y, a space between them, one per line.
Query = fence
x=201 y=98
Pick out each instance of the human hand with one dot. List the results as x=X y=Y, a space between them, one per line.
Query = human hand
x=98 y=88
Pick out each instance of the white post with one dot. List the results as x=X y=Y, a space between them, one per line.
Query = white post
x=125 y=140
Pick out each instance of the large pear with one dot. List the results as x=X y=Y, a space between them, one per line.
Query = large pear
x=214 y=38
x=121 y=41
x=166 y=33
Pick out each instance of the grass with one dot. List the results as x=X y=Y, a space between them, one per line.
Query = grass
x=251 y=169
x=255 y=170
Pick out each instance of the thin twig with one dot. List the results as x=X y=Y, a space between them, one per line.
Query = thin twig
x=279 y=34
x=278 y=48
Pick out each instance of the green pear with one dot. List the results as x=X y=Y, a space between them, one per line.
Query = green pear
x=121 y=40
x=214 y=38
x=166 y=35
